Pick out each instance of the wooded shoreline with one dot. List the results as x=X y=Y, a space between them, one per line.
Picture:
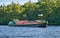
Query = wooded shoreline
x=42 y=10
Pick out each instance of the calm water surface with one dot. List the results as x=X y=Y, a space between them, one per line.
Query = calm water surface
x=30 y=32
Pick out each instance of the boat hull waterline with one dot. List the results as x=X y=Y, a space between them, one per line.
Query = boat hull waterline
x=29 y=25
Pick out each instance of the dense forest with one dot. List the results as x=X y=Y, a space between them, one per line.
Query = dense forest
x=30 y=11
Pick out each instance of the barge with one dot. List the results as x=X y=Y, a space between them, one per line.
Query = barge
x=26 y=23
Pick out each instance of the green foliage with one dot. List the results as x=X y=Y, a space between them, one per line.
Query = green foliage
x=30 y=11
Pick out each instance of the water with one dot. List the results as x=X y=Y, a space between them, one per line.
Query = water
x=30 y=32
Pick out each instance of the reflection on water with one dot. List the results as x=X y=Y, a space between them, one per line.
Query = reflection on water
x=30 y=32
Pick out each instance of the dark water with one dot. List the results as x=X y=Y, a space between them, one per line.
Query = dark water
x=30 y=32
